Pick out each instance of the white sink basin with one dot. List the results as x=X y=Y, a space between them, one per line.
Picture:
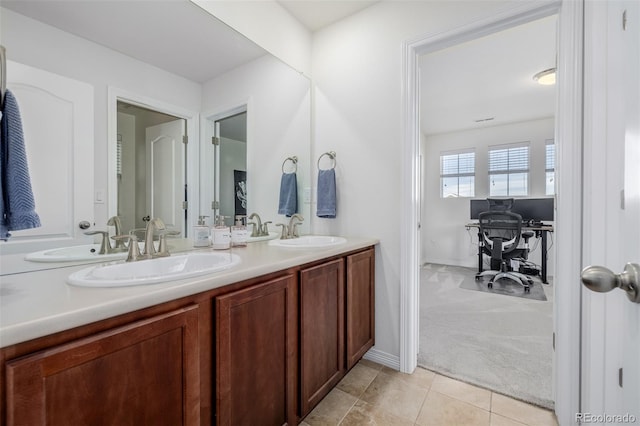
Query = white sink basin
x=176 y=267
x=309 y=241
x=72 y=254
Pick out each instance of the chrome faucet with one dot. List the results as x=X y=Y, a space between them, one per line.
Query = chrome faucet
x=120 y=242
x=291 y=230
x=257 y=227
x=295 y=220
x=153 y=225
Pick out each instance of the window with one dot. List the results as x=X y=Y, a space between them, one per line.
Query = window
x=509 y=170
x=550 y=167
x=457 y=174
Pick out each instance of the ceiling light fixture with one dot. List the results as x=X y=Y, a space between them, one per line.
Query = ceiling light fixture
x=546 y=77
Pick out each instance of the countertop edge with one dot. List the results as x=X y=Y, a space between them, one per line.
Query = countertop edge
x=258 y=259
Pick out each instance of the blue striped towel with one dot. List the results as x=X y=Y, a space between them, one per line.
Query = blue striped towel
x=16 y=196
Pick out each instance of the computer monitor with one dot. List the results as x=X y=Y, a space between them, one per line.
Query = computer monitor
x=531 y=209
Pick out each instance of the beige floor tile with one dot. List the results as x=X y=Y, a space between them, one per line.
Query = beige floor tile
x=332 y=409
x=367 y=414
x=420 y=377
x=370 y=364
x=521 y=411
x=498 y=420
x=393 y=394
x=442 y=410
x=357 y=380
x=463 y=391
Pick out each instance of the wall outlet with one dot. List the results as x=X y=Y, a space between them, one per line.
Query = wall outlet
x=306 y=195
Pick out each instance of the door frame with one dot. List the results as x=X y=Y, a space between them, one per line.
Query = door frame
x=568 y=233
x=192 y=119
x=207 y=156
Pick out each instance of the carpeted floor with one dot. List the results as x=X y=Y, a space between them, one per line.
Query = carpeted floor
x=495 y=341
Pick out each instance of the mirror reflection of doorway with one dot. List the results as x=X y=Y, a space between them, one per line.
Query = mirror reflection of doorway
x=151 y=167
x=230 y=192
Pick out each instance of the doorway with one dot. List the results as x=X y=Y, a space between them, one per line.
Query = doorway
x=150 y=174
x=151 y=167
x=487 y=129
x=568 y=204
x=225 y=165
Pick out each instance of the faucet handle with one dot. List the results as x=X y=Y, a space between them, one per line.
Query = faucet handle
x=265 y=229
x=134 y=250
x=105 y=245
x=163 y=250
x=294 y=230
x=285 y=231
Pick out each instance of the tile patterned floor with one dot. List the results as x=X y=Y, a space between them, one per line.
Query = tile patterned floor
x=371 y=394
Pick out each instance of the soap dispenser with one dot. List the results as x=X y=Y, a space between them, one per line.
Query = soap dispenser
x=239 y=233
x=201 y=233
x=221 y=235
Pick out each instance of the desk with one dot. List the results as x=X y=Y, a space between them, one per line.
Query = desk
x=540 y=231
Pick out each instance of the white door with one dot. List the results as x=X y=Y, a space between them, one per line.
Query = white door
x=57 y=122
x=166 y=173
x=611 y=338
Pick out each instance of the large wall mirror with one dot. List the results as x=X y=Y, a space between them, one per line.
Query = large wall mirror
x=138 y=55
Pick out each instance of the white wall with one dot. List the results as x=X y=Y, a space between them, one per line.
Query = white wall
x=444 y=238
x=42 y=46
x=357 y=71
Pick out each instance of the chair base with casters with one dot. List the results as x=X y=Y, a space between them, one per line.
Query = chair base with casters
x=517 y=277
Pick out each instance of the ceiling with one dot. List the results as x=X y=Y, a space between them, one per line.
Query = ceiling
x=489 y=79
x=175 y=35
x=486 y=79
x=317 y=14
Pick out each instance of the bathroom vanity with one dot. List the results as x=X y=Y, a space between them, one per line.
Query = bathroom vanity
x=261 y=343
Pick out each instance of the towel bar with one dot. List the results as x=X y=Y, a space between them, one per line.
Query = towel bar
x=294 y=160
x=332 y=155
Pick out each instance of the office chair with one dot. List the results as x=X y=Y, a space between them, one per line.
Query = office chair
x=500 y=232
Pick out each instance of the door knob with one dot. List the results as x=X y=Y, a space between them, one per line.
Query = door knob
x=84 y=224
x=600 y=279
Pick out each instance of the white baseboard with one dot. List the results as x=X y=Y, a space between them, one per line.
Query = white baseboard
x=380 y=357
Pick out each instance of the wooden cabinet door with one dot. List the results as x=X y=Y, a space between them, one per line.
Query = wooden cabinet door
x=360 y=305
x=321 y=331
x=144 y=373
x=256 y=354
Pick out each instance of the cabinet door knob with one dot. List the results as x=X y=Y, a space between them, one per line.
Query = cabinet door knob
x=84 y=224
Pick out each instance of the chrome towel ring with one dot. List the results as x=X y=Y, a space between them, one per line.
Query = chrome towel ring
x=293 y=160
x=330 y=154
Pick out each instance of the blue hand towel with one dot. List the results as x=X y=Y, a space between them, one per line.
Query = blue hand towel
x=17 y=205
x=288 y=204
x=327 y=194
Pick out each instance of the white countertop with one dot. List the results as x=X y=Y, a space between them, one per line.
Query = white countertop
x=39 y=303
